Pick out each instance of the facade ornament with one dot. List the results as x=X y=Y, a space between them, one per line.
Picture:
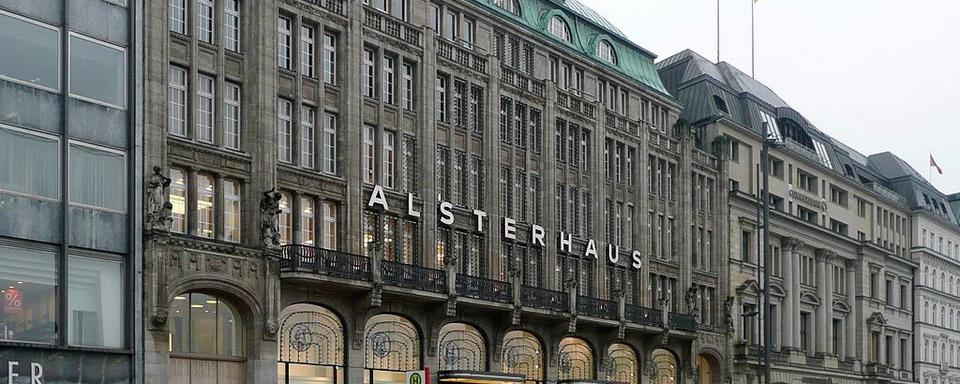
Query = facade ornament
x=515 y=315
x=516 y=265
x=692 y=298
x=159 y=210
x=159 y=317
x=270 y=329
x=269 y=209
x=792 y=243
x=824 y=254
x=728 y=313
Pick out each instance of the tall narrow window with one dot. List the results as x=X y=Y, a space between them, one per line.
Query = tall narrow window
x=178 y=198
x=329 y=58
x=307 y=221
x=284 y=130
x=388 y=79
x=284 y=43
x=330 y=143
x=308 y=117
x=369 y=74
x=205 y=20
x=231 y=25
x=204 y=117
x=177 y=102
x=231 y=116
x=369 y=154
x=178 y=16
x=407 y=91
x=329 y=225
x=441 y=99
x=389 y=157
x=307 y=49
x=285 y=219
x=206 y=193
x=231 y=211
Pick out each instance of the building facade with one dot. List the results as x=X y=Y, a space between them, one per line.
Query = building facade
x=69 y=187
x=842 y=263
x=492 y=190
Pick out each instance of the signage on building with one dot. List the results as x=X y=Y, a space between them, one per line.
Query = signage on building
x=12 y=300
x=417 y=377
x=538 y=233
x=22 y=365
x=803 y=198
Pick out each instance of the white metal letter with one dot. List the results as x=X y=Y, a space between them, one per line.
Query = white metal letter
x=410 y=211
x=637 y=257
x=538 y=235
x=377 y=197
x=446 y=216
x=509 y=228
x=591 y=249
x=480 y=215
x=36 y=373
x=613 y=253
x=566 y=243
x=10 y=372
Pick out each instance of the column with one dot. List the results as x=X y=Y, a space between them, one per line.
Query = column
x=825 y=301
x=851 y=342
x=796 y=245
x=786 y=307
x=828 y=326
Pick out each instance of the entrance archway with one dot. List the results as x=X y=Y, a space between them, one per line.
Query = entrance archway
x=310 y=346
x=708 y=369
x=663 y=367
x=391 y=346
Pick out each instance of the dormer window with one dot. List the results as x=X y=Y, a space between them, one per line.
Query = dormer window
x=720 y=104
x=559 y=28
x=509 y=6
x=606 y=52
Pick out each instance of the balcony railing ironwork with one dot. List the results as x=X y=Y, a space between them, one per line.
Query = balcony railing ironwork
x=391 y=26
x=643 y=315
x=591 y=306
x=325 y=262
x=521 y=81
x=683 y=322
x=545 y=299
x=414 y=277
x=576 y=104
x=484 y=289
x=460 y=54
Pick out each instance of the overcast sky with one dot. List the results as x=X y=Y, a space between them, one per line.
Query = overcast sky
x=879 y=75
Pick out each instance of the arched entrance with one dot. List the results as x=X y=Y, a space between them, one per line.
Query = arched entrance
x=575 y=359
x=663 y=367
x=206 y=340
x=621 y=365
x=391 y=346
x=708 y=369
x=310 y=346
x=461 y=348
x=522 y=354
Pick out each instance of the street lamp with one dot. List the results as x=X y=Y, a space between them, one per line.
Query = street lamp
x=768 y=142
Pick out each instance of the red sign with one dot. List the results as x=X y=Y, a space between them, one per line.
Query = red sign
x=12 y=300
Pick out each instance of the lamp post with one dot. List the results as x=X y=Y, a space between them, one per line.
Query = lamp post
x=765 y=195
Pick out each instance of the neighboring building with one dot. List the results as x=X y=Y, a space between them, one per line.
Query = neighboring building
x=443 y=172
x=936 y=250
x=840 y=238
x=69 y=188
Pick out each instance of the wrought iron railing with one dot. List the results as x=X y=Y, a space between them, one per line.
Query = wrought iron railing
x=643 y=315
x=622 y=123
x=461 y=55
x=545 y=299
x=576 y=104
x=391 y=26
x=520 y=81
x=414 y=276
x=335 y=6
x=683 y=322
x=484 y=289
x=591 y=306
x=325 y=262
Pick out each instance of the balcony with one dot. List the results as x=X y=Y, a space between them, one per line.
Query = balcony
x=335 y=6
x=659 y=140
x=484 y=289
x=886 y=192
x=705 y=160
x=545 y=299
x=753 y=351
x=643 y=315
x=878 y=370
x=683 y=322
x=391 y=26
x=459 y=54
x=802 y=150
x=414 y=277
x=621 y=123
x=590 y=306
x=521 y=81
x=845 y=365
x=324 y=262
x=576 y=104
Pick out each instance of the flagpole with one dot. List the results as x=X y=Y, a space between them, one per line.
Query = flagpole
x=718 y=31
x=753 y=44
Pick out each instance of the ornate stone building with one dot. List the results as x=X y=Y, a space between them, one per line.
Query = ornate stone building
x=492 y=190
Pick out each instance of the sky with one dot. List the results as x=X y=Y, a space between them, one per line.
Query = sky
x=879 y=75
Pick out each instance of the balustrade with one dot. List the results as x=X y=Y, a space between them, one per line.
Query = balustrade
x=484 y=289
x=325 y=262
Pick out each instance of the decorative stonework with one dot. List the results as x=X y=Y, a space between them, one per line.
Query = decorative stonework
x=159 y=211
x=269 y=209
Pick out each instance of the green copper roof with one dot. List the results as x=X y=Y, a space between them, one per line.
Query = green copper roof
x=587 y=28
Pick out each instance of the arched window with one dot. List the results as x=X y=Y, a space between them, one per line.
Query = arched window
x=664 y=367
x=575 y=359
x=311 y=345
x=461 y=348
x=942 y=280
x=522 y=354
x=391 y=346
x=606 y=52
x=208 y=326
x=559 y=28
x=926 y=350
x=509 y=6
x=622 y=364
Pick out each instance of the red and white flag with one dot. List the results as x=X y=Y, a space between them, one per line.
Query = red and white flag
x=933 y=163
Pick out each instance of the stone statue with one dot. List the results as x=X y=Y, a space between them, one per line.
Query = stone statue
x=269 y=209
x=691 y=299
x=159 y=210
x=728 y=313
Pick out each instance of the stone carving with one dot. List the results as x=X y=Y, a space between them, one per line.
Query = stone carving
x=692 y=299
x=269 y=209
x=159 y=210
x=728 y=313
x=270 y=329
x=159 y=317
x=823 y=254
x=792 y=243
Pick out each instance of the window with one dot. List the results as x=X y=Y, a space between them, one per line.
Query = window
x=509 y=6
x=307 y=221
x=177 y=102
x=329 y=58
x=606 y=52
x=178 y=197
x=838 y=196
x=203 y=324
x=178 y=16
x=206 y=194
x=807 y=181
x=37 y=47
x=29 y=163
x=284 y=43
x=284 y=130
x=389 y=158
x=369 y=75
x=28 y=283
x=95 y=296
x=231 y=211
x=369 y=154
x=231 y=116
x=285 y=219
x=306 y=49
x=205 y=20
x=559 y=28
x=98 y=71
x=97 y=177
x=888 y=291
x=776 y=167
x=388 y=79
x=231 y=25
x=746 y=245
x=804 y=331
x=735 y=151
x=441 y=99
x=330 y=143
x=329 y=229
x=308 y=117
x=407 y=86
x=204 y=116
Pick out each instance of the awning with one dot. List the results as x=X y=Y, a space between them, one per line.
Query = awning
x=478 y=377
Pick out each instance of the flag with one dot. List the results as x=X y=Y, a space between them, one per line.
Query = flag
x=933 y=163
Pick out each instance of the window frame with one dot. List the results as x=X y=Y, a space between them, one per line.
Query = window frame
x=60 y=53
x=123 y=52
x=58 y=163
x=124 y=181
